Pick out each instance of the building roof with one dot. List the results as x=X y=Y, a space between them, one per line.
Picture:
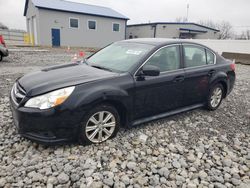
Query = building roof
x=174 y=23
x=73 y=7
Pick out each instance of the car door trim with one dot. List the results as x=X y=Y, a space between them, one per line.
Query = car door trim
x=166 y=46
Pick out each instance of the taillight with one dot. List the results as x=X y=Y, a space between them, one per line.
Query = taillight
x=232 y=66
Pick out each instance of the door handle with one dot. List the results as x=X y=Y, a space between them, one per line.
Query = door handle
x=179 y=79
x=211 y=72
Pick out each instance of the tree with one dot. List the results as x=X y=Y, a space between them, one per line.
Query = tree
x=245 y=35
x=181 y=19
x=208 y=23
x=2 y=26
x=225 y=28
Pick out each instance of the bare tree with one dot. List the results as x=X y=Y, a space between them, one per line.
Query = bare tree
x=208 y=23
x=2 y=26
x=181 y=19
x=225 y=28
x=245 y=35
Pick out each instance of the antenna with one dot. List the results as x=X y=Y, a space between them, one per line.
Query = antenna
x=187 y=10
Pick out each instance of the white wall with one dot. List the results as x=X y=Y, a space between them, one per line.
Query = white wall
x=82 y=36
x=234 y=46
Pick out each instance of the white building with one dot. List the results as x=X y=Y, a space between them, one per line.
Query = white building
x=171 y=30
x=64 y=23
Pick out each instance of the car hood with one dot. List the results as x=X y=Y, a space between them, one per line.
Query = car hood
x=60 y=76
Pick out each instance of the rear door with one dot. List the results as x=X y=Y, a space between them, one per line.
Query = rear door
x=158 y=94
x=198 y=67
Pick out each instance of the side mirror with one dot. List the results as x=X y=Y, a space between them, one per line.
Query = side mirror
x=150 y=70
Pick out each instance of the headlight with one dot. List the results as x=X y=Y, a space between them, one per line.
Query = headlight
x=51 y=99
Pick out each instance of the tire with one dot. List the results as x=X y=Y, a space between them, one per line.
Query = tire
x=91 y=125
x=1 y=57
x=215 y=97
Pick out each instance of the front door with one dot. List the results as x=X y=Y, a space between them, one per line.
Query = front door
x=159 y=94
x=55 y=33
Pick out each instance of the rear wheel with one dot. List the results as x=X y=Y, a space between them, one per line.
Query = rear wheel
x=215 y=97
x=99 y=125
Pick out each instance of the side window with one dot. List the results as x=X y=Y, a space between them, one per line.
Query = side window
x=92 y=25
x=166 y=59
x=194 y=56
x=73 y=23
x=210 y=57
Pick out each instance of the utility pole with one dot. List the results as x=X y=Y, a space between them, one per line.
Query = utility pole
x=187 y=10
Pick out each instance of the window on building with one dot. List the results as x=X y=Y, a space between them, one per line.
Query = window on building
x=116 y=27
x=92 y=25
x=73 y=23
x=166 y=59
x=194 y=56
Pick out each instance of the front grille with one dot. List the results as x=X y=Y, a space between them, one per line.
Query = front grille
x=17 y=93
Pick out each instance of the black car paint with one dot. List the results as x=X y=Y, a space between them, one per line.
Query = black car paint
x=138 y=99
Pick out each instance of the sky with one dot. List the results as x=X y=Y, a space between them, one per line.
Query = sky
x=144 y=11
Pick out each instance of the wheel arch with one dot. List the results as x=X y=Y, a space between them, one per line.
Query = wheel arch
x=220 y=78
x=120 y=107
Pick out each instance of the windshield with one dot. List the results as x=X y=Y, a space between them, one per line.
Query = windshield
x=119 y=57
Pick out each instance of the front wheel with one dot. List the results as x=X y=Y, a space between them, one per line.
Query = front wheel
x=100 y=124
x=215 y=97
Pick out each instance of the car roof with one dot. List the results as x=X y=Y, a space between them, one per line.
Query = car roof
x=160 y=41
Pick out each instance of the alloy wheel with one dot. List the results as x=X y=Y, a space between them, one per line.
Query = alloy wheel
x=216 y=97
x=100 y=126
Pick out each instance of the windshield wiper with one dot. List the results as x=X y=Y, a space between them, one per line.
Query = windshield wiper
x=102 y=68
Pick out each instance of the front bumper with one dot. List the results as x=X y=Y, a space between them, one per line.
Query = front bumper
x=52 y=126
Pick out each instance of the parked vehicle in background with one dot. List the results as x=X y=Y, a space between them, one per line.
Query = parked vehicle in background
x=3 y=48
x=125 y=84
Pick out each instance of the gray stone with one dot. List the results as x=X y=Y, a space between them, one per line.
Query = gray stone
x=176 y=164
x=235 y=181
x=143 y=138
x=109 y=182
x=227 y=162
x=2 y=182
x=191 y=158
x=164 y=172
x=131 y=165
x=88 y=173
x=49 y=185
x=52 y=180
x=191 y=185
x=125 y=179
x=63 y=178
x=203 y=175
x=154 y=180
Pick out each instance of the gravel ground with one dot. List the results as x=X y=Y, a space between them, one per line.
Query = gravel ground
x=193 y=149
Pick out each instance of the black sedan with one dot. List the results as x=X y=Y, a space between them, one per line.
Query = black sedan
x=125 y=84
